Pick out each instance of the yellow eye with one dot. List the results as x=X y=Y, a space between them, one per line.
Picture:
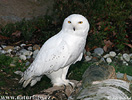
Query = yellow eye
x=69 y=21
x=80 y=22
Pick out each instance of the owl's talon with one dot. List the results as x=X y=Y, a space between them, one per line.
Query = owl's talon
x=72 y=84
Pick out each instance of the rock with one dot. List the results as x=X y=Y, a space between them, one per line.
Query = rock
x=99 y=51
x=106 y=56
x=112 y=54
x=88 y=58
x=88 y=53
x=19 y=73
x=120 y=75
x=9 y=51
x=124 y=62
x=3 y=46
x=35 y=53
x=130 y=55
x=28 y=57
x=0 y=48
x=22 y=51
x=22 y=45
x=22 y=57
x=2 y=51
x=27 y=53
x=36 y=47
x=109 y=60
x=8 y=47
x=12 y=65
x=18 y=53
x=27 y=63
x=15 y=10
x=16 y=48
x=126 y=57
x=30 y=48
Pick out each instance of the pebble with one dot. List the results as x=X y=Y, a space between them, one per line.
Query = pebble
x=30 y=48
x=88 y=58
x=16 y=48
x=126 y=57
x=8 y=47
x=9 y=51
x=106 y=56
x=88 y=53
x=22 y=57
x=124 y=62
x=112 y=53
x=36 y=47
x=27 y=63
x=120 y=75
x=12 y=65
x=35 y=53
x=22 y=51
x=109 y=60
x=27 y=53
x=2 y=51
x=3 y=46
x=130 y=55
x=99 y=51
x=22 y=45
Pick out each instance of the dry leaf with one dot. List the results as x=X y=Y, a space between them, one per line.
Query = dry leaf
x=108 y=44
x=114 y=33
x=17 y=34
x=106 y=29
x=129 y=45
x=4 y=37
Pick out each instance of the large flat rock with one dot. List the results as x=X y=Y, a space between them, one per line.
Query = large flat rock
x=16 y=10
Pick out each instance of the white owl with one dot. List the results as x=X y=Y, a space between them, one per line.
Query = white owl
x=59 y=52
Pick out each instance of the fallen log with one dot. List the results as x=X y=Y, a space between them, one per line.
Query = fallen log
x=99 y=82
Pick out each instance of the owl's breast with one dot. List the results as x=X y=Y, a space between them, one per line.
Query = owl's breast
x=75 y=47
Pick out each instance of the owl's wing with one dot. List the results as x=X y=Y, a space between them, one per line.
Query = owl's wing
x=52 y=56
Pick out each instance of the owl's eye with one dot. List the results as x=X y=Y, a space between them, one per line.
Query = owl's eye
x=80 y=22
x=69 y=21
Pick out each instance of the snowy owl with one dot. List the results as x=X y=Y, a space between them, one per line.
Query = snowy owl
x=59 y=52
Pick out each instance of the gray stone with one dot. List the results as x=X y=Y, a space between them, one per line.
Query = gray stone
x=9 y=50
x=22 y=57
x=3 y=46
x=27 y=53
x=16 y=10
x=109 y=60
x=112 y=53
x=28 y=57
x=2 y=51
x=30 y=48
x=88 y=53
x=8 y=47
x=106 y=56
x=99 y=51
x=120 y=75
x=35 y=53
x=16 y=48
x=22 y=51
x=27 y=63
x=88 y=58
x=22 y=45
x=126 y=57
x=12 y=65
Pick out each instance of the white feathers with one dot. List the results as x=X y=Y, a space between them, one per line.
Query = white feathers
x=59 y=52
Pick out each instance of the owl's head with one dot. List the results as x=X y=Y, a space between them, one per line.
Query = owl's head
x=76 y=23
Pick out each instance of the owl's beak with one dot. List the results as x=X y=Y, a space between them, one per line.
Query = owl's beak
x=74 y=28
